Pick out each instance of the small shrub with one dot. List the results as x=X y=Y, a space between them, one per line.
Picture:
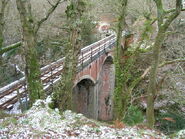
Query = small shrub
x=169 y=126
x=133 y=116
x=9 y=121
x=3 y=114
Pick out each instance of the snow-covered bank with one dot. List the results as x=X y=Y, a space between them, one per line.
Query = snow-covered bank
x=41 y=121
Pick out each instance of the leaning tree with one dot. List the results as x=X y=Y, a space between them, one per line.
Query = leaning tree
x=164 y=19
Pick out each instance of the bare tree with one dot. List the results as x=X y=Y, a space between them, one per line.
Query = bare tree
x=30 y=29
x=164 y=18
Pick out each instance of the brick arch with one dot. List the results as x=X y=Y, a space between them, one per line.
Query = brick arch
x=85 y=77
x=83 y=97
x=106 y=84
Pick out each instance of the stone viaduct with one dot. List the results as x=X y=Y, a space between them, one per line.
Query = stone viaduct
x=93 y=86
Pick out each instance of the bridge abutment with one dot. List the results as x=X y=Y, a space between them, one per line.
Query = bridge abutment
x=83 y=98
x=92 y=98
x=106 y=90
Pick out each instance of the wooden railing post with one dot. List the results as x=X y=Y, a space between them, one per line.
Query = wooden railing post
x=99 y=50
x=91 y=54
x=26 y=95
x=19 y=99
x=104 y=46
x=51 y=81
x=82 y=59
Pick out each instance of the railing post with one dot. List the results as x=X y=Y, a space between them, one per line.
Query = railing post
x=26 y=96
x=91 y=54
x=109 y=43
x=19 y=99
x=82 y=59
x=104 y=45
x=51 y=81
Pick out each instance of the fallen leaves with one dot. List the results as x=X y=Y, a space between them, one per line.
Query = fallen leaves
x=118 y=124
x=169 y=119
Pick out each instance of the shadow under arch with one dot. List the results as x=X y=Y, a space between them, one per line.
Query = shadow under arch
x=105 y=92
x=83 y=98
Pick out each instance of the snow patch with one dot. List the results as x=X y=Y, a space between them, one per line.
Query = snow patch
x=42 y=122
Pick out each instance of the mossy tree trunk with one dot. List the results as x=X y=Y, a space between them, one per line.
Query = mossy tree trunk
x=127 y=75
x=163 y=24
x=29 y=42
x=63 y=94
x=120 y=96
x=32 y=68
x=3 y=4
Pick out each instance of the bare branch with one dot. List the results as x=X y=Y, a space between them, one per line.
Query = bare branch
x=10 y=47
x=172 y=10
x=50 y=3
x=5 y=2
x=174 y=14
x=171 y=62
x=134 y=83
x=162 y=65
x=179 y=6
x=50 y=11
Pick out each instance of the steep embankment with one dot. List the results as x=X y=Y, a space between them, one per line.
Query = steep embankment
x=41 y=121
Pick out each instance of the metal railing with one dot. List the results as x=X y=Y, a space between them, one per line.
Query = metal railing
x=50 y=74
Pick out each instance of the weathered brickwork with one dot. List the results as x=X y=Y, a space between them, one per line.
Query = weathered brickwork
x=105 y=91
x=93 y=91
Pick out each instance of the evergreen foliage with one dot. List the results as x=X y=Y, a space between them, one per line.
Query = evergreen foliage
x=134 y=116
x=171 y=126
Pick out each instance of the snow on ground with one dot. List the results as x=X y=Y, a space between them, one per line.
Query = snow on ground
x=42 y=122
x=180 y=135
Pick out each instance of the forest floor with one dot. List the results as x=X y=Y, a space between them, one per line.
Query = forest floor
x=42 y=122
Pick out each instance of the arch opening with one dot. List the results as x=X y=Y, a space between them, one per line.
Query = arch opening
x=83 y=98
x=106 y=89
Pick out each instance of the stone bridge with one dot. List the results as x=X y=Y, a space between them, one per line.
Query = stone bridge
x=93 y=86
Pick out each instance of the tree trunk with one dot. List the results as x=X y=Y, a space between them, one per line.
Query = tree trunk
x=120 y=96
x=30 y=29
x=32 y=68
x=3 y=4
x=1 y=37
x=63 y=95
x=152 y=83
x=163 y=24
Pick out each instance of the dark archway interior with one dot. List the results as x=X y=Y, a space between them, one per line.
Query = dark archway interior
x=106 y=89
x=83 y=98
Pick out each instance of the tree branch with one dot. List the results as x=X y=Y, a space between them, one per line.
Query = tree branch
x=174 y=14
x=172 y=10
x=136 y=81
x=50 y=11
x=162 y=65
x=171 y=62
x=50 y=3
x=5 y=2
x=10 y=47
x=160 y=11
